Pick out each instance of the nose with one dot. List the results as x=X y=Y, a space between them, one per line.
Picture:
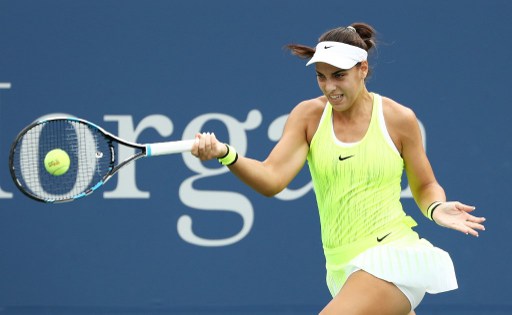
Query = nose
x=330 y=86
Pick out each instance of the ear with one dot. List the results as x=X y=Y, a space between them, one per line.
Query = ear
x=363 y=69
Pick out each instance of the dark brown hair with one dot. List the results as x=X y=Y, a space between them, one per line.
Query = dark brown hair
x=363 y=37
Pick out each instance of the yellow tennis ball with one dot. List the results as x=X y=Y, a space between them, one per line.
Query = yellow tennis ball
x=57 y=162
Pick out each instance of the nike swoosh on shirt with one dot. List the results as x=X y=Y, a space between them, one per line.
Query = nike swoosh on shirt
x=380 y=239
x=343 y=158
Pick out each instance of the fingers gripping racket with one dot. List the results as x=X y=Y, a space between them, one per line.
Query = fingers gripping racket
x=62 y=159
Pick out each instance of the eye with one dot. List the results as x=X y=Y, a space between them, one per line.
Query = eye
x=320 y=76
x=339 y=75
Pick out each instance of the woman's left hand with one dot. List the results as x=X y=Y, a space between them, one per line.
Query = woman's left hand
x=456 y=215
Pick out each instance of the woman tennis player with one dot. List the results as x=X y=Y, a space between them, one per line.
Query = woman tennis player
x=357 y=145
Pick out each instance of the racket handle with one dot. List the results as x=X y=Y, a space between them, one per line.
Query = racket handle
x=171 y=147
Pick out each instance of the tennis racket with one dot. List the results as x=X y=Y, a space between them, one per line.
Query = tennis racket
x=92 y=158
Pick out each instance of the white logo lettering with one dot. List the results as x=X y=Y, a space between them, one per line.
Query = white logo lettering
x=189 y=194
x=4 y=194
x=126 y=184
x=210 y=200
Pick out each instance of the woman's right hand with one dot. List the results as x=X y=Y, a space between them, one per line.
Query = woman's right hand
x=207 y=147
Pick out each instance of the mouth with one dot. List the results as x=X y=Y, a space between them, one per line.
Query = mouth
x=336 y=97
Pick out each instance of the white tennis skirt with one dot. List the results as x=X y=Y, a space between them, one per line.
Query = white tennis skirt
x=405 y=260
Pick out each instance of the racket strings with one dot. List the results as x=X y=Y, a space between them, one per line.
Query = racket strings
x=88 y=150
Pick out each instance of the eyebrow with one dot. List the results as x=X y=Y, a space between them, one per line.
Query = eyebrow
x=335 y=72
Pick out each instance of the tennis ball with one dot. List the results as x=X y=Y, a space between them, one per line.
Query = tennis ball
x=56 y=162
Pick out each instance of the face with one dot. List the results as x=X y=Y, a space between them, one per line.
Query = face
x=341 y=87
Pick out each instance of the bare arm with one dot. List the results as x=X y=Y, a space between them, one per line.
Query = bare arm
x=281 y=166
x=424 y=186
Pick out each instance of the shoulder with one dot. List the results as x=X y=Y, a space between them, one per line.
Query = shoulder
x=306 y=116
x=312 y=106
x=397 y=110
x=397 y=115
x=308 y=110
x=401 y=123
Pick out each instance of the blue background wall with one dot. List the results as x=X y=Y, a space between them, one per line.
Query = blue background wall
x=179 y=66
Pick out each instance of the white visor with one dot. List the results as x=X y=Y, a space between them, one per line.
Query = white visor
x=338 y=54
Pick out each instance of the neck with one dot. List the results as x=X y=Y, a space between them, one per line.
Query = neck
x=364 y=98
x=361 y=106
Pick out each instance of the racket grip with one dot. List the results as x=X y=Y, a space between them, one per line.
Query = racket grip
x=171 y=147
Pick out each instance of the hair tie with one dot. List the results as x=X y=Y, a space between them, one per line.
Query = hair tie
x=351 y=28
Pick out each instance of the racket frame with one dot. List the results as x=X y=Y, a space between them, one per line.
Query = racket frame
x=151 y=149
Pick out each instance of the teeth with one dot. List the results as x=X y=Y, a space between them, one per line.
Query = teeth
x=335 y=97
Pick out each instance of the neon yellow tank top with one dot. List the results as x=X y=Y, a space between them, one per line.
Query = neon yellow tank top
x=357 y=185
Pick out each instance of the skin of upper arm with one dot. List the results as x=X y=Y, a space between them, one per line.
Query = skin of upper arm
x=405 y=131
x=290 y=153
